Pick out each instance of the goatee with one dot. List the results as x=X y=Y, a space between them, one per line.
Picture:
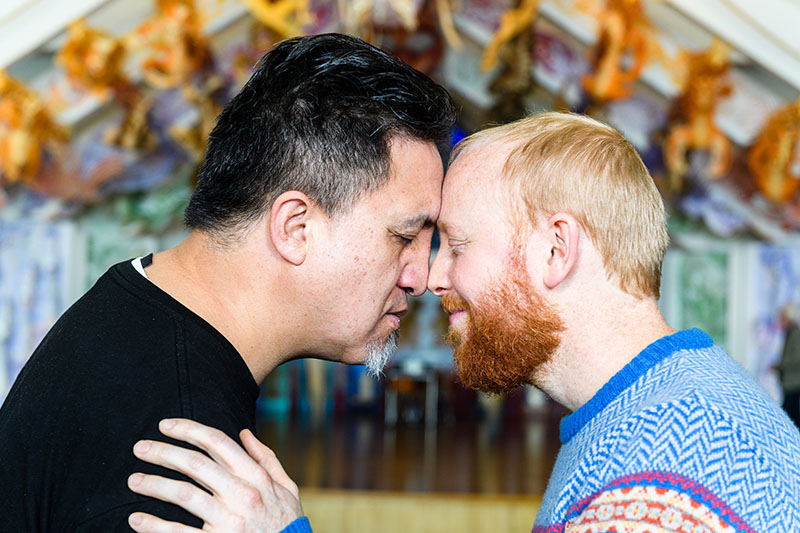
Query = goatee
x=379 y=353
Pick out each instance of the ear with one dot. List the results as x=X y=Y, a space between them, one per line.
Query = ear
x=288 y=225
x=563 y=234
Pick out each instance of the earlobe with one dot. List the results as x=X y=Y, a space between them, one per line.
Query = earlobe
x=288 y=226
x=563 y=234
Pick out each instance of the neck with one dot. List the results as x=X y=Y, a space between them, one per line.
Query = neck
x=598 y=342
x=233 y=290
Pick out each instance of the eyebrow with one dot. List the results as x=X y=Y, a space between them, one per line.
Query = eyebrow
x=415 y=223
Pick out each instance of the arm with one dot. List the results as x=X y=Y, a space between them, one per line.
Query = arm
x=249 y=490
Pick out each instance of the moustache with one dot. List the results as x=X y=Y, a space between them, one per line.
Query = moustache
x=453 y=302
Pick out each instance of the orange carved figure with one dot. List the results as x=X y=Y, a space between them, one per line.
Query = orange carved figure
x=93 y=60
x=774 y=158
x=512 y=45
x=624 y=35
x=513 y=23
x=286 y=18
x=706 y=83
x=26 y=130
x=176 y=45
x=444 y=9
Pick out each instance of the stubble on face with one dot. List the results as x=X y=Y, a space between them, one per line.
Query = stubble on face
x=510 y=333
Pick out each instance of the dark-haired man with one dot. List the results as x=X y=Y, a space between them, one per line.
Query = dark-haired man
x=310 y=225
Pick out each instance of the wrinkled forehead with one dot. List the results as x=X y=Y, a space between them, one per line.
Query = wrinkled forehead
x=415 y=184
x=414 y=179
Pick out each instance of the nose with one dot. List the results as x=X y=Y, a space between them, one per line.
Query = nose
x=438 y=280
x=414 y=275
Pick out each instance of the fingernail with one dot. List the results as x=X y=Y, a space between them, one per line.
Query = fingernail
x=135 y=519
x=141 y=447
x=135 y=479
x=167 y=424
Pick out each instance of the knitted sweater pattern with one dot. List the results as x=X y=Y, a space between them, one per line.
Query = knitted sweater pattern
x=681 y=439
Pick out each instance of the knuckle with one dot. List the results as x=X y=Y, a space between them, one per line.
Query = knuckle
x=197 y=461
x=251 y=497
x=185 y=492
x=216 y=436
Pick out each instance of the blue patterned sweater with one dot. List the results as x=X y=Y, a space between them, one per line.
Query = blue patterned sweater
x=681 y=439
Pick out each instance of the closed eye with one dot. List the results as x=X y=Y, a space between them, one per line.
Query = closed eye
x=456 y=247
x=404 y=239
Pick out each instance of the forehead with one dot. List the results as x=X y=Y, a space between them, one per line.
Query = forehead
x=472 y=191
x=413 y=190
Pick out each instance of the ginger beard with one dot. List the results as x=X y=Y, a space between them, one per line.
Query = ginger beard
x=509 y=334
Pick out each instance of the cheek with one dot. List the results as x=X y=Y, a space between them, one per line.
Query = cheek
x=459 y=273
x=469 y=280
x=364 y=261
x=387 y=265
x=370 y=284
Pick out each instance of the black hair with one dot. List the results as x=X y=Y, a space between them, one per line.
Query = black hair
x=317 y=116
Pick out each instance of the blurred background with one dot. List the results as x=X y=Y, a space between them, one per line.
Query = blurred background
x=105 y=106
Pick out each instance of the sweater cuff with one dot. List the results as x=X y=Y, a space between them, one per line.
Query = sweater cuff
x=301 y=525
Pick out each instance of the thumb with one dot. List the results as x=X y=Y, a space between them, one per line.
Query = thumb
x=267 y=459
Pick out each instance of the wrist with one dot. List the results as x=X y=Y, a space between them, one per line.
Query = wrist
x=301 y=525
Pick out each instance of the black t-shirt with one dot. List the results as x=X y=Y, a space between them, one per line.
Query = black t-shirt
x=119 y=360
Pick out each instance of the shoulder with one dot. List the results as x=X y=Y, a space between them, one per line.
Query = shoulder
x=698 y=427
x=735 y=453
x=693 y=459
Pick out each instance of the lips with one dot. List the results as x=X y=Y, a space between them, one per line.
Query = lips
x=455 y=314
x=394 y=316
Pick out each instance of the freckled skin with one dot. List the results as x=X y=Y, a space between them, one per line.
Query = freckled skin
x=366 y=268
x=474 y=239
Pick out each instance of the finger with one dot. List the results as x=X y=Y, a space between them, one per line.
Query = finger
x=268 y=460
x=216 y=443
x=183 y=494
x=189 y=462
x=145 y=523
